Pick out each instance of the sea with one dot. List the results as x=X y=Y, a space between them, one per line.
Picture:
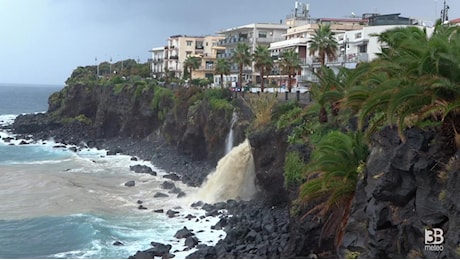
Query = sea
x=56 y=203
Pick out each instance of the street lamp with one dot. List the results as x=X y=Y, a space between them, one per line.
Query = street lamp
x=97 y=68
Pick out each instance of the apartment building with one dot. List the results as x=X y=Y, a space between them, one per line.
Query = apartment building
x=157 y=62
x=208 y=57
x=355 y=37
x=298 y=37
x=180 y=47
x=253 y=35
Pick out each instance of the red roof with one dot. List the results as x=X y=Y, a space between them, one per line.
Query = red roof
x=457 y=20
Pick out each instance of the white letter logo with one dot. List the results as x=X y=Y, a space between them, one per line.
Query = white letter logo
x=434 y=236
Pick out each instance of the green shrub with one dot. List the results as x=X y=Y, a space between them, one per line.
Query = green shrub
x=294 y=169
x=290 y=117
x=284 y=108
x=218 y=104
x=162 y=101
x=117 y=88
x=218 y=93
x=80 y=118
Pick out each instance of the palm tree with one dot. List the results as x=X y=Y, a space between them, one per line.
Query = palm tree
x=242 y=57
x=415 y=79
x=222 y=68
x=335 y=165
x=328 y=90
x=290 y=64
x=192 y=63
x=324 y=44
x=263 y=62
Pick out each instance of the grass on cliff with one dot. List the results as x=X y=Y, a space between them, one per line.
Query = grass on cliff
x=162 y=102
x=262 y=107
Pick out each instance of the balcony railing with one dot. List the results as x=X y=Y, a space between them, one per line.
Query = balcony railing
x=232 y=40
x=158 y=60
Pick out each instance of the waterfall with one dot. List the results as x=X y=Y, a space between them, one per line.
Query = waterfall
x=229 y=138
x=234 y=177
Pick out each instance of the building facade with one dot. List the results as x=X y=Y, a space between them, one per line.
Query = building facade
x=170 y=58
x=253 y=35
x=356 y=38
x=297 y=38
x=157 y=62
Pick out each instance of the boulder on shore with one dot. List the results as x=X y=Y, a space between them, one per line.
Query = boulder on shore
x=171 y=213
x=183 y=233
x=157 y=250
x=130 y=183
x=160 y=195
x=138 y=168
x=167 y=185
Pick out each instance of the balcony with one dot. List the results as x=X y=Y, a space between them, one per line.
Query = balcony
x=174 y=57
x=232 y=41
x=157 y=60
x=269 y=40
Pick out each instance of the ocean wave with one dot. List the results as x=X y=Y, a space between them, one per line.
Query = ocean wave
x=7 y=119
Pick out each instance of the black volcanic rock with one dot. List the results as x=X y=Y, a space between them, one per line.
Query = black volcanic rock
x=191 y=241
x=130 y=183
x=157 y=250
x=138 y=168
x=160 y=195
x=167 y=185
x=183 y=233
x=172 y=176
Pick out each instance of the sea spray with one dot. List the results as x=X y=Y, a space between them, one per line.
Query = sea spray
x=234 y=177
x=229 y=138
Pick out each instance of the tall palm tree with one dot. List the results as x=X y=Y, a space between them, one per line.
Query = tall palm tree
x=263 y=62
x=324 y=43
x=192 y=63
x=290 y=64
x=242 y=57
x=222 y=68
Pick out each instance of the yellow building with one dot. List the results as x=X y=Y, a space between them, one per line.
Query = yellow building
x=180 y=47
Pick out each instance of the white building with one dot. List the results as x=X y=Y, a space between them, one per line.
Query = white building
x=363 y=45
x=157 y=66
x=254 y=35
x=356 y=38
x=297 y=38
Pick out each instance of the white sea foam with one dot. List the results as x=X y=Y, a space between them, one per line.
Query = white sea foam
x=7 y=119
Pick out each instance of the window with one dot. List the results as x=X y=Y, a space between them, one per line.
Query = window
x=262 y=34
x=199 y=45
x=188 y=53
x=189 y=43
x=363 y=48
x=358 y=35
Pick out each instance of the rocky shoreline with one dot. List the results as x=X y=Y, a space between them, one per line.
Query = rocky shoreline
x=253 y=229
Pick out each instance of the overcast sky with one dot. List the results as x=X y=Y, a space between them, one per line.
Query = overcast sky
x=42 y=41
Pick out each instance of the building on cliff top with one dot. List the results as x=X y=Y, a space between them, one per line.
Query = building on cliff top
x=170 y=58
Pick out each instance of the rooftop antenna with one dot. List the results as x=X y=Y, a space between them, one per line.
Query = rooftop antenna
x=444 y=13
x=296 y=6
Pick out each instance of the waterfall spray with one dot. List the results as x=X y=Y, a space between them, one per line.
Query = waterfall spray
x=234 y=177
x=229 y=138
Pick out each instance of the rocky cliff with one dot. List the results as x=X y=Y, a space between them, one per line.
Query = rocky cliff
x=407 y=187
x=137 y=111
